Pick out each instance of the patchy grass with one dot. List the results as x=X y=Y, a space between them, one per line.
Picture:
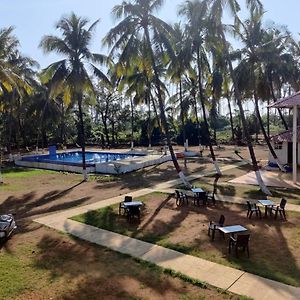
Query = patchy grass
x=226 y=188
x=17 y=272
x=19 y=179
x=16 y=172
x=48 y=267
x=273 y=245
x=104 y=178
x=249 y=191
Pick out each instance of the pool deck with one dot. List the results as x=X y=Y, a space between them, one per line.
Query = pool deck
x=113 y=167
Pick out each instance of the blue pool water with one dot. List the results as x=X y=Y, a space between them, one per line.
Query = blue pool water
x=75 y=158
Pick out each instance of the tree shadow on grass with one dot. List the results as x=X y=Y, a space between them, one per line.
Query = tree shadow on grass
x=28 y=206
x=270 y=253
x=228 y=190
x=102 y=273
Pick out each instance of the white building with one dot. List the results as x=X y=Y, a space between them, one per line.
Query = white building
x=283 y=146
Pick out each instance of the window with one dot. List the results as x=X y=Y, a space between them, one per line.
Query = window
x=278 y=146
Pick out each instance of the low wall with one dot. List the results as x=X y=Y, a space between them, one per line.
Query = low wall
x=129 y=165
x=115 y=167
x=55 y=167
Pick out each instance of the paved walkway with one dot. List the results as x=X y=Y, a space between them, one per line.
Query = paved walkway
x=220 y=276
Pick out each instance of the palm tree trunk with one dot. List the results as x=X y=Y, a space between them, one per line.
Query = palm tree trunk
x=182 y=115
x=149 y=132
x=162 y=112
x=243 y=119
x=231 y=118
x=82 y=137
x=204 y=114
x=131 y=107
x=62 y=125
x=268 y=118
x=104 y=121
x=275 y=100
x=155 y=112
x=10 y=124
x=197 y=121
x=265 y=134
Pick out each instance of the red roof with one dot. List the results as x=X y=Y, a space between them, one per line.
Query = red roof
x=286 y=136
x=288 y=102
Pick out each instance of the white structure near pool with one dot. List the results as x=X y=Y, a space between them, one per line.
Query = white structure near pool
x=283 y=146
x=96 y=162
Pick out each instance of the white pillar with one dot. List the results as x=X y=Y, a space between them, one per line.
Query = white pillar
x=295 y=115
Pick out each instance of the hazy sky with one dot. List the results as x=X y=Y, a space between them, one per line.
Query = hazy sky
x=34 y=18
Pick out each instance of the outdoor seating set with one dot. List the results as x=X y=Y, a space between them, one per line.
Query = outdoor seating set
x=130 y=209
x=199 y=196
x=269 y=207
x=236 y=242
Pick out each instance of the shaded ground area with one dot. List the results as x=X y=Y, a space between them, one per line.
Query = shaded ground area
x=273 y=247
x=34 y=192
x=39 y=263
x=227 y=188
x=43 y=264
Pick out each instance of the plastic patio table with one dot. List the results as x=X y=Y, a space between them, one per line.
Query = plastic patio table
x=266 y=203
x=232 y=229
x=132 y=203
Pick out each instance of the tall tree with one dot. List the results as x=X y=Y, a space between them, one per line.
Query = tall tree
x=179 y=65
x=196 y=13
x=216 y=13
x=252 y=37
x=139 y=23
x=69 y=76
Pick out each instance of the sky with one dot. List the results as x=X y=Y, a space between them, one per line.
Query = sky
x=33 y=19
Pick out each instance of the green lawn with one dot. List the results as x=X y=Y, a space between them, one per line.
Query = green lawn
x=18 y=273
x=16 y=172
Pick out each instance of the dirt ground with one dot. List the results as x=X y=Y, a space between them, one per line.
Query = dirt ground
x=35 y=195
x=55 y=266
x=274 y=244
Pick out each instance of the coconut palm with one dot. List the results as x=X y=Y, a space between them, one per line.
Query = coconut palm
x=179 y=65
x=252 y=37
x=139 y=23
x=69 y=76
x=136 y=80
x=196 y=13
x=279 y=63
x=216 y=12
x=9 y=75
x=14 y=76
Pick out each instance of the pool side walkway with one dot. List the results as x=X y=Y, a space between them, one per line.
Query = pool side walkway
x=220 y=276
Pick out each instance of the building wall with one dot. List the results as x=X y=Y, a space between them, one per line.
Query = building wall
x=281 y=153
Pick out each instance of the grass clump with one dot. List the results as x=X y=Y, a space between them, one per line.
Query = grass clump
x=16 y=172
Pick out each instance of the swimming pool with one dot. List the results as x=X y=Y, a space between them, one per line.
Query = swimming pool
x=75 y=158
x=96 y=162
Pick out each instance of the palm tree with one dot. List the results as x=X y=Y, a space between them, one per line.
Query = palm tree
x=69 y=76
x=9 y=76
x=280 y=64
x=13 y=75
x=135 y=78
x=252 y=37
x=179 y=65
x=216 y=12
x=16 y=75
x=140 y=24
x=196 y=13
